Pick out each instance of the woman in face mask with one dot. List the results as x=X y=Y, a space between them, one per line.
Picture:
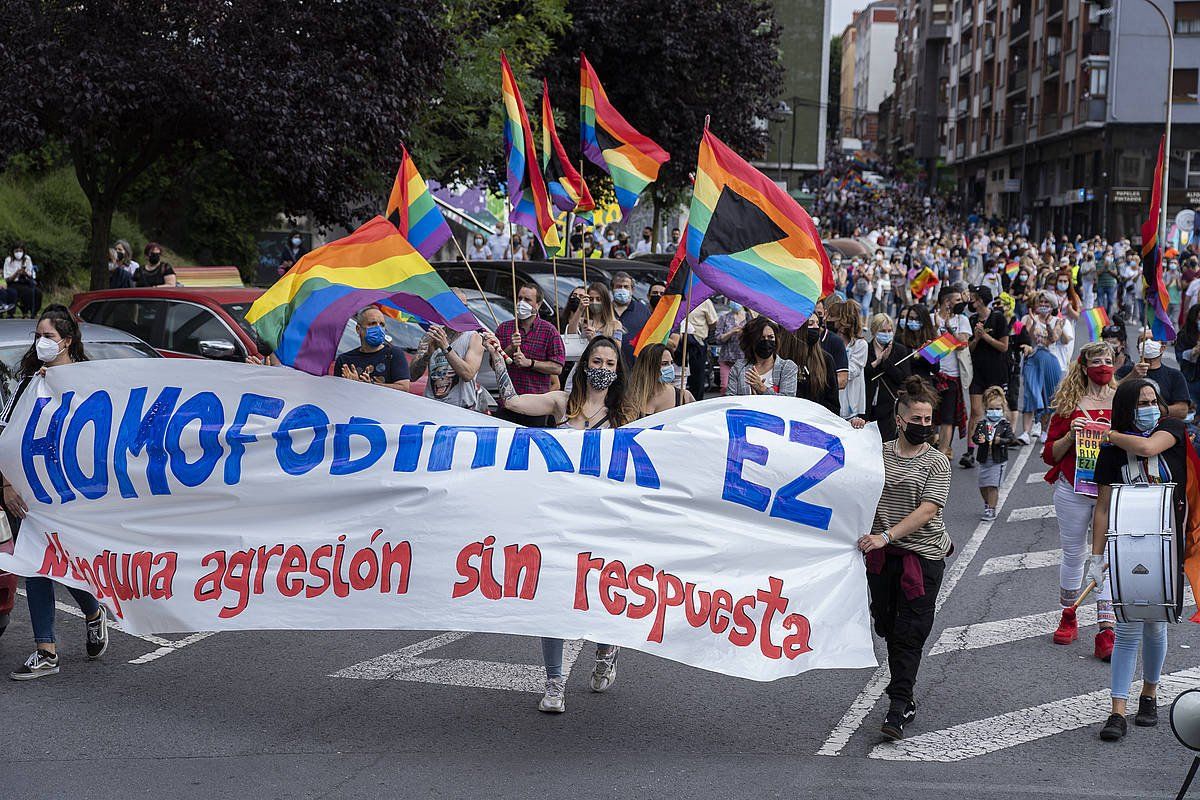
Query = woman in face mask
x=914 y=329
x=761 y=370
x=1084 y=396
x=846 y=321
x=155 y=272
x=654 y=382
x=888 y=367
x=598 y=317
x=597 y=400
x=816 y=374
x=21 y=276
x=478 y=249
x=729 y=328
x=1042 y=371
x=57 y=343
x=1144 y=445
x=907 y=546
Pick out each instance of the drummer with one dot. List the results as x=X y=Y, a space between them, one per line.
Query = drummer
x=1144 y=445
x=1084 y=395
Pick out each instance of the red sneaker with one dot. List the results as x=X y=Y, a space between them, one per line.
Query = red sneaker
x=1068 y=628
x=1104 y=644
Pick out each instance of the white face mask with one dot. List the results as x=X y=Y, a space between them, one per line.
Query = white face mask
x=524 y=310
x=1151 y=349
x=19 y=255
x=47 y=349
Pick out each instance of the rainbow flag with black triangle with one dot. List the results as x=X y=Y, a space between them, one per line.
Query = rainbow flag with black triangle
x=526 y=186
x=1158 y=300
x=412 y=210
x=752 y=242
x=568 y=191
x=631 y=159
x=683 y=293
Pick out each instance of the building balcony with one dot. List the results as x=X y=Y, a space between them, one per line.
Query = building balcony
x=1053 y=62
x=1017 y=81
x=1054 y=8
x=1014 y=135
x=1019 y=28
x=967 y=19
x=959 y=149
x=987 y=96
x=1095 y=43
x=1050 y=124
x=989 y=48
x=961 y=109
x=1094 y=109
x=965 y=64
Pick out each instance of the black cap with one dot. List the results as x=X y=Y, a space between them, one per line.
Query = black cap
x=1111 y=331
x=984 y=293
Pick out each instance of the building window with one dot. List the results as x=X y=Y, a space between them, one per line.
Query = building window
x=1098 y=82
x=1193 y=170
x=1187 y=17
x=1184 y=85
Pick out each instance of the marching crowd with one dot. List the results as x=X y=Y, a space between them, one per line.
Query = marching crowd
x=1011 y=378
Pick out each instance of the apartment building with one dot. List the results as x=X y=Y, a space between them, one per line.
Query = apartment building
x=874 y=67
x=1057 y=106
x=918 y=127
x=846 y=87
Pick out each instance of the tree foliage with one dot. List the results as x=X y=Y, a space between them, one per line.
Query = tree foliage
x=666 y=64
x=308 y=99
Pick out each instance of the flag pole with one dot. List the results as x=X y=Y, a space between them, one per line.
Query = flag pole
x=475 y=278
x=512 y=262
x=583 y=251
x=687 y=313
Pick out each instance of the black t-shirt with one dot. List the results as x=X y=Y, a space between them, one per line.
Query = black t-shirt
x=835 y=348
x=1112 y=466
x=144 y=277
x=990 y=365
x=386 y=365
x=1171 y=383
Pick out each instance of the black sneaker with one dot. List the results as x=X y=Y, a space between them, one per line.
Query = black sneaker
x=38 y=665
x=967 y=461
x=97 y=635
x=1147 y=715
x=897 y=717
x=1114 y=729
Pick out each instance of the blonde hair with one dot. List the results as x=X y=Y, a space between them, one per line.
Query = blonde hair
x=877 y=322
x=994 y=393
x=644 y=379
x=1075 y=383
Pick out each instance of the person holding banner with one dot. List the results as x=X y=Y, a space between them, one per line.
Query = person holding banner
x=57 y=342
x=1144 y=445
x=653 y=382
x=1084 y=398
x=598 y=401
x=906 y=549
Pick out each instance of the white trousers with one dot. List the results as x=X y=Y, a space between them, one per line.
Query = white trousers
x=1074 y=513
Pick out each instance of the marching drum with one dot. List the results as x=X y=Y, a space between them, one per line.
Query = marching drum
x=1143 y=553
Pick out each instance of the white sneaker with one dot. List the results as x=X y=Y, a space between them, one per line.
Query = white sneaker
x=989 y=514
x=1036 y=430
x=1023 y=438
x=38 y=665
x=605 y=673
x=553 y=701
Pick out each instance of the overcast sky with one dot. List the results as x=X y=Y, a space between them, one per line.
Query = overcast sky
x=842 y=9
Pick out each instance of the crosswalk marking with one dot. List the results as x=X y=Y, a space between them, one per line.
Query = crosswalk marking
x=1035 y=477
x=410 y=664
x=1003 y=631
x=1033 y=512
x=1019 y=561
x=973 y=739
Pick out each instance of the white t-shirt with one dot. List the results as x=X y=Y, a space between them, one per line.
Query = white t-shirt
x=960 y=326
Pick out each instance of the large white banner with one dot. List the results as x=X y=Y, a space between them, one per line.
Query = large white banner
x=196 y=495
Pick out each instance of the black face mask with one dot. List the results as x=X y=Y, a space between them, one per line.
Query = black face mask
x=916 y=434
x=812 y=335
x=154 y=258
x=764 y=348
x=654 y=298
x=960 y=308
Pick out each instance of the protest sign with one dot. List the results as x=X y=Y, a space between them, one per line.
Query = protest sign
x=1087 y=450
x=196 y=495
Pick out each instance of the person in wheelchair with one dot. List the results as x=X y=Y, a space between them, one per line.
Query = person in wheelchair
x=1144 y=446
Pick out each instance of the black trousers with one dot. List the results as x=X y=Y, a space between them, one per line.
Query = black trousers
x=905 y=624
x=523 y=419
x=29 y=296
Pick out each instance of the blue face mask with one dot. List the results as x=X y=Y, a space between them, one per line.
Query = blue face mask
x=994 y=415
x=913 y=324
x=735 y=306
x=1146 y=418
x=374 y=336
x=621 y=296
x=883 y=338
x=667 y=374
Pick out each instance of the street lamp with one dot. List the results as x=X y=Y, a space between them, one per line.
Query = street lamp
x=1162 y=223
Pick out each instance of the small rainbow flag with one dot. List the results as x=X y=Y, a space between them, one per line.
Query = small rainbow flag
x=751 y=241
x=673 y=306
x=1095 y=320
x=526 y=186
x=925 y=280
x=1011 y=269
x=303 y=315
x=411 y=209
x=612 y=144
x=940 y=347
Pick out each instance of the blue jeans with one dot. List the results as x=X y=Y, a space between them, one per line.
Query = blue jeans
x=864 y=304
x=1152 y=636
x=39 y=592
x=1106 y=298
x=552 y=650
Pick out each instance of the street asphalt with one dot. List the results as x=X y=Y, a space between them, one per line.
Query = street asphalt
x=1003 y=713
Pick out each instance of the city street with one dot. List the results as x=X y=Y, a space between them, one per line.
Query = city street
x=1003 y=712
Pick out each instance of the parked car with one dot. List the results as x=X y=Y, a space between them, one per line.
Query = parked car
x=496 y=278
x=16 y=335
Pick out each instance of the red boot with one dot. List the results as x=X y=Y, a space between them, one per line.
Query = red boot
x=1104 y=644
x=1068 y=628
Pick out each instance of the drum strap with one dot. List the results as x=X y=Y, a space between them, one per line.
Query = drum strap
x=1144 y=471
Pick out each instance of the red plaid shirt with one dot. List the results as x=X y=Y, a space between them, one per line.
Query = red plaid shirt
x=541 y=343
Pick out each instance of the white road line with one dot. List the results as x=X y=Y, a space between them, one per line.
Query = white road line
x=852 y=720
x=1035 y=477
x=1019 y=561
x=165 y=646
x=1033 y=512
x=408 y=664
x=973 y=739
x=989 y=634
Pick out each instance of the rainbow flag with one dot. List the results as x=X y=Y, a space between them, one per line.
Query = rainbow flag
x=1158 y=300
x=925 y=280
x=1095 y=320
x=1011 y=269
x=303 y=315
x=526 y=186
x=682 y=286
x=411 y=209
x=940 y=347
x=568 y=191
x=612 y=144
x=752 y=242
